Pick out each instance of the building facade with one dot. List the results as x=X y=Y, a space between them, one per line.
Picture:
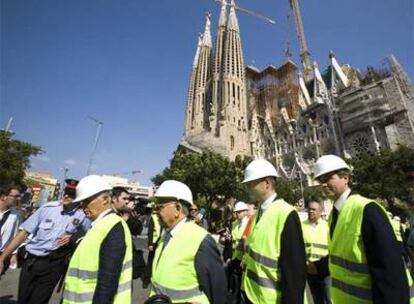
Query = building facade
x=274 y=113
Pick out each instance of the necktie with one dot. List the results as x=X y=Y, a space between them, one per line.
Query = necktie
x=166 y=240
x=259 y=214
x=333 y=221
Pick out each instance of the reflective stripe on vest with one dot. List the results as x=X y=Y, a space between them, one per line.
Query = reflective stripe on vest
x=81 y=277
x=175 y=294
x=178 y=255
x=316 y=239
x=261 y=280
x=88 y=296
x=261 y=259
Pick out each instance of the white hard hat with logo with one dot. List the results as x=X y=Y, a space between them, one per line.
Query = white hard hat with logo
x=240 y=206
x=174 y=189
x=259 y=168
x=90 y=186
x=327 y=164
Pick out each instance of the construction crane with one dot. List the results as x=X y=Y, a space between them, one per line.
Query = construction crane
x=248 y=12
x=304 y=53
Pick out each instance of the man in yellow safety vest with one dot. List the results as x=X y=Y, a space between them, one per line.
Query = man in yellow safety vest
x=365 y=260
x=315 y=235
x=100 y=270
x=275 y=257
x=187 y=266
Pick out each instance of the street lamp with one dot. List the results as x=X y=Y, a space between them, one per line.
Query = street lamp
x=65 y=176
x=98 y=134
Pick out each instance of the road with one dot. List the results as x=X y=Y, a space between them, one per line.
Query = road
x=9 y=284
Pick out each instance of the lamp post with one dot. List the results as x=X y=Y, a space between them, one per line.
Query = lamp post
x=95 y=145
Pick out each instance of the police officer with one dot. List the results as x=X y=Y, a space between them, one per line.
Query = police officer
x=54 y=228
x=275 y=256
x=100 y=270
x=365 y=260
x=187 y=266
x=315 y=235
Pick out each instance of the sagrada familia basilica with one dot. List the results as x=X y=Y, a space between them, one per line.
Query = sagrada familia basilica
x=286 y=116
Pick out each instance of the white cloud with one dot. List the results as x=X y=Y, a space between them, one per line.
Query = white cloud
x=70 y=162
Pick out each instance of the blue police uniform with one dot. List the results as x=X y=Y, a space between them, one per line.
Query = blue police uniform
x=46 y=262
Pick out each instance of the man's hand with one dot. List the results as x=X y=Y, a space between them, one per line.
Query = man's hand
x=13 y=261
x=1 y=264
x=311 y=268
x=151 y=248
x=63 y=240
x=125 y=216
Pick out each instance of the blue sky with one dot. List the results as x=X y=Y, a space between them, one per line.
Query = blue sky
x=127 y=63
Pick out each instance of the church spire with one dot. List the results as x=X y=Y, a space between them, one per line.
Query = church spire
x=218 y=66
x=207 y=32
x=202 y=95
x=233 y=24
x=191 y=90
x=223 y=13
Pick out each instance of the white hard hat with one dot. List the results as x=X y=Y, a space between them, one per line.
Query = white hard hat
x=397 y=218
x=240 y=206
x=257 y=169
x=89 y=186
x=329 y=163
x=175 y=189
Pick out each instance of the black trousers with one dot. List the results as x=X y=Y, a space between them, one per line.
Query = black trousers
x=38 y=279
x=319 y=288
x=146 y=276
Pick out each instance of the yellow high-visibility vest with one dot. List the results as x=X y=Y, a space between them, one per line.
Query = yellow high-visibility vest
x=236 y=238
x=316 y=239
x=351 y=280
x=262 y=278
x=81 y=277
x=173 y=270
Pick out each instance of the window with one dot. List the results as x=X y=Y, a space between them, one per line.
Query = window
x=232 y=143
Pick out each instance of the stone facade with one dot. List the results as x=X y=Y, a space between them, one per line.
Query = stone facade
x=275 y=114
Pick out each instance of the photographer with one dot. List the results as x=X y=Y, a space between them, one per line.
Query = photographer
x=125 y=208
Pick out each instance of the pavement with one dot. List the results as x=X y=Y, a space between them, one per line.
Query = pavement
x=9 y=284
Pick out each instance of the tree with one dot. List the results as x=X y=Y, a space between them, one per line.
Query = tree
x=212 y=177
x=14 y=158
x=382 y=176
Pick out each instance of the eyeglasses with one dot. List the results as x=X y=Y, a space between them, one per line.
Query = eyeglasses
x=193 y=209
x=15 y=196
x=89 y=200
x=324 y=178
x=159 y=207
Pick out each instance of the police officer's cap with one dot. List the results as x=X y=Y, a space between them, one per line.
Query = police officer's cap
x=71 y=183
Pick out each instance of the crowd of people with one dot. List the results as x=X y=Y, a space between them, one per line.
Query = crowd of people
x=83 y=245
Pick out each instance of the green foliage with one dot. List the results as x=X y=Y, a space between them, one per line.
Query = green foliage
x=289 y=190
x=382 y=175
x=14 y=158
x=211 y=176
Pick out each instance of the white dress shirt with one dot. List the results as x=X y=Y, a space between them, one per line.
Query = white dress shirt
x=339 y=203
x=9 y=228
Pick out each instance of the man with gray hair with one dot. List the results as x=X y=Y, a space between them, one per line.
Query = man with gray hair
x=100 y=270
x=187 y=266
